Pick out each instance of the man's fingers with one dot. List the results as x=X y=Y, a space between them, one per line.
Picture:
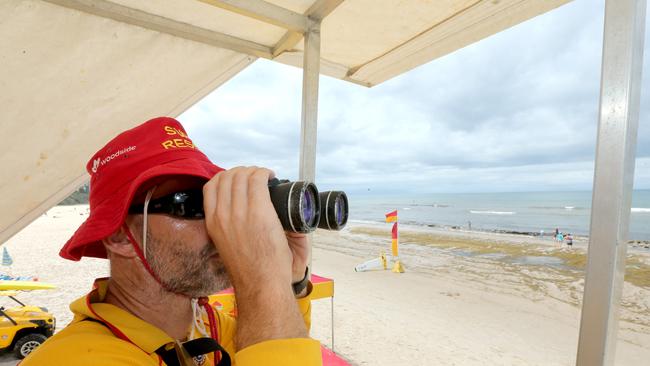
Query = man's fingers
x=258 y=186
x=233 y=194
x=224 y=196
x=239 y=193
x=210 y=196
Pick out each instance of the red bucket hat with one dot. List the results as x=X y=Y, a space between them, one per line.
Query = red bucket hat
x=158 y=147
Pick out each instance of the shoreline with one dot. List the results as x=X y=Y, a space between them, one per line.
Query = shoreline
x=634 y=243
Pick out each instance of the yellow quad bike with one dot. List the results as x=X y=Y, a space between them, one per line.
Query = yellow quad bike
x=24 y=327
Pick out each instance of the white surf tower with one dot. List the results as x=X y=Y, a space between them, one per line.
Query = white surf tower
x=76 y=72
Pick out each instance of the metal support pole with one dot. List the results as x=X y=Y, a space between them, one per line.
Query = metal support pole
x=309 y=117
x=613 y=179
x=332 y=305
x=310 y=73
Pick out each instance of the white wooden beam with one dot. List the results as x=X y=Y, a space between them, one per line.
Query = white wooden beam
x=620 y=92
x=124 y=14
x=322 y=8
x=319 y=10
x=287 y=42
x=309 y=114
x=265 y=12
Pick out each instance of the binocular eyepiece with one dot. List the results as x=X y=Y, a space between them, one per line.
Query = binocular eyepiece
x=302 y=209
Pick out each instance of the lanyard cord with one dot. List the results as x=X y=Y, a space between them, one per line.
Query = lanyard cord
x=202 y=301
x=145 y=220
x=144 y=262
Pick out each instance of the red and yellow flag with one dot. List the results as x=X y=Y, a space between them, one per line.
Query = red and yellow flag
x=391 y=216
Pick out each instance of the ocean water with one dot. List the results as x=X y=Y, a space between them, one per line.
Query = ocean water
x=518 y=212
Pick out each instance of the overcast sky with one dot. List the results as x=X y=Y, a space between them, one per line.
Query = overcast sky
x=514 y=112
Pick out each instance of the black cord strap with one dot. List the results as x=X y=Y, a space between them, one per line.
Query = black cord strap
x=195 y=347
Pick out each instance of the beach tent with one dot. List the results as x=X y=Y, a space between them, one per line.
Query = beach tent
x=76 y=72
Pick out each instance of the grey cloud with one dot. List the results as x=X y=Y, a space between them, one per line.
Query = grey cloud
x=500 y=114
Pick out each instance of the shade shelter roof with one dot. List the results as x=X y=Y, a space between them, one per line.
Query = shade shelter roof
x=76 y=72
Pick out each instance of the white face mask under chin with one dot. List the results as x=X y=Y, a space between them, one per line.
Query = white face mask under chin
x=198 y=327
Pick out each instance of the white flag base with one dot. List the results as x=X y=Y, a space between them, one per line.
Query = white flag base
x=373 y=264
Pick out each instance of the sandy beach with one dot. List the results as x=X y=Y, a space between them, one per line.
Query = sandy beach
x=466 y=298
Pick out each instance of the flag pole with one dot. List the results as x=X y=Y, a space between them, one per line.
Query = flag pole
x=397 y=267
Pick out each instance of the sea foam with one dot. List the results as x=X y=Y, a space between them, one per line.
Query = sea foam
x=492 y=212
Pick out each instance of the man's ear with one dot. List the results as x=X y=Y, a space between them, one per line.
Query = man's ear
x=118 y=244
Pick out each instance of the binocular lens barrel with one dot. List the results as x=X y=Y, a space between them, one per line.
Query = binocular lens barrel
x=296 y=204
x=302 y=209
x=334 y=210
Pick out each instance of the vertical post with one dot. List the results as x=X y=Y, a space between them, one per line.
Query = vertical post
x=309 y=116
x=613 y=179
x=332 y=312
x=310 y=74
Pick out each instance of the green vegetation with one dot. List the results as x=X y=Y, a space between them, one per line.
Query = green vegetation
x=637 y=271
x=80 y=196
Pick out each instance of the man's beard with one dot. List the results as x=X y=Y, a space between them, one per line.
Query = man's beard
x=184 y=272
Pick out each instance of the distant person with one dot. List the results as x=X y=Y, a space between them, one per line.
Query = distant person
x=541 y=234
x=557 y=232
x=469 y=224
x=560 y=237
x=569 y=239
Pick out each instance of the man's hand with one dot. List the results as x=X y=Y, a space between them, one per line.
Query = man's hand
x=247 y=233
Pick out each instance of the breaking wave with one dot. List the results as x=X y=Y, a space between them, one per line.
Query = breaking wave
x=492 y=212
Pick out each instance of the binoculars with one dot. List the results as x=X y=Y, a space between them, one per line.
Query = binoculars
x=302 y=209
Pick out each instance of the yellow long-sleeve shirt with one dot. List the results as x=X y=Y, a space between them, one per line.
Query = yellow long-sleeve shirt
x=117 y=337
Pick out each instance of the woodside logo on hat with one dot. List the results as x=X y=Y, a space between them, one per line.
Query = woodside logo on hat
x=101 y=162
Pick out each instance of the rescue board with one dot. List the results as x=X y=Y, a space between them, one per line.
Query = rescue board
x=25 y=285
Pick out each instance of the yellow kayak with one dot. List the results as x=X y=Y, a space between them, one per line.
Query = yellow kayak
x=25 y=285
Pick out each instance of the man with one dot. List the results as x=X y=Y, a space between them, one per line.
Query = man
x=174 y=232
